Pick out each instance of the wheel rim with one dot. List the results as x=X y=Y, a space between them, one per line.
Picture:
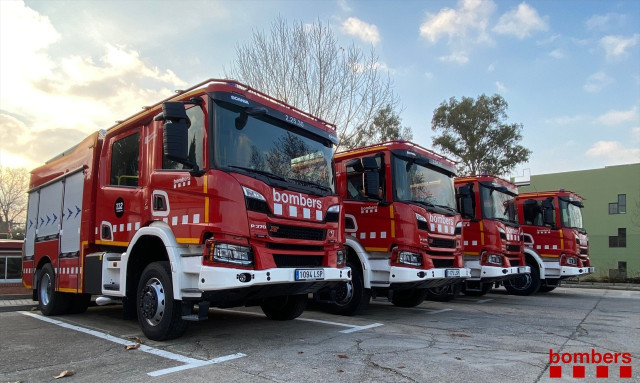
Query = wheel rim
x=344 y=293
x=521 y=283
x=152 y=302
x=45 y=289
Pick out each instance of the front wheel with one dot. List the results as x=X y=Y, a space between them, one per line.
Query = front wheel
x=409 y=298
x=525 y=284
x=351 y=297
x=159 y=314
x=287 y=307
x=51 y=302
x=444 y=293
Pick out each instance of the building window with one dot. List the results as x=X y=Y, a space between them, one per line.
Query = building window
x=619 y=207
x=620 y=240
x=10 y=268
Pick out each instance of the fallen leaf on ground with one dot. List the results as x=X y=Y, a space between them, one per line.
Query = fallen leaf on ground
x=64 y=374
x=132 y=346
x=343 y=357
x=340 y=370
x=460 y=335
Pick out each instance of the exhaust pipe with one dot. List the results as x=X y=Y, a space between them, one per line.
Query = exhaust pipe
x=103 y=301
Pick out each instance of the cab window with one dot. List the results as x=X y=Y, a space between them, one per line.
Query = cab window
x=125 y=159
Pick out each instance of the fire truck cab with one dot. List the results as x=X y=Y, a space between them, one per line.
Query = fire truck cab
x=492 y=240
x=556 y=244
x=402 y=227
x=218 y=196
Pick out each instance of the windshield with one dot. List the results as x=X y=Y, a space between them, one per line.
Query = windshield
x=415 y=182
x=571 y=214
x=268 y=146
x=498 y=205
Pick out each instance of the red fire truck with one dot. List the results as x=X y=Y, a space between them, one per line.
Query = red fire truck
x=219 y=196
x=403 y=230
x=556 y=244
x=492 y=239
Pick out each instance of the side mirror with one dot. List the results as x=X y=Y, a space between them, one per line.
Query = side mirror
x=548 y=216
x=371 y=177
x=176 y=133
x=466 y=202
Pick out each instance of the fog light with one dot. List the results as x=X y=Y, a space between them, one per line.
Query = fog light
x=244 y=277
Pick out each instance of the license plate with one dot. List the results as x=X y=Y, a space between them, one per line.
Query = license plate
x=309 y=275
x=522 y=270
x=452 y=273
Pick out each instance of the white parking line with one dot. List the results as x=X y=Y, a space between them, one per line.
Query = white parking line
x=428 y=311
x=189 y=362
x=484 y=300
x=352 y=328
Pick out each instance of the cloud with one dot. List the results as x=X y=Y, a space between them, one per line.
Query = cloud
x=557 y=54
x=605 y=22
x=616 y=117
x=471 y=18
x=613 y=153
x=51 y=100
x=597 y=81
x=501 y=86
x=616 y=47
x=456 y=57
x=365 y=32
x=344 y=6
x=565 y=120
x=521 y=22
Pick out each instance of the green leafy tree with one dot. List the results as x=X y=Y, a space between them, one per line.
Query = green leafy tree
x=476 y=133
x=304 y=66
x=386 y=126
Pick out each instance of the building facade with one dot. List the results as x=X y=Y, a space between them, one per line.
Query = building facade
x=611 y=214
x=10 y=261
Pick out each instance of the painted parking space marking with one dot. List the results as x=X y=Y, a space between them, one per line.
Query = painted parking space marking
x=188 y=362
x=423 y=309
x=352 y=328
x=484 y=300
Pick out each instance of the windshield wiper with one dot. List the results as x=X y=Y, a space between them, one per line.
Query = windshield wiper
x=262 y=172
x=309 y=183
x=447 y=208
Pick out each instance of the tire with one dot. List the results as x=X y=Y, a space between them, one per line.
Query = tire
x=51 y=302
x=159 y=315
x=546 y=289
x=287 y=307
x=444 y=293
x=526 y=284
x=79 y=303
x=409 y=298
x=351 y=297
x=486 y=287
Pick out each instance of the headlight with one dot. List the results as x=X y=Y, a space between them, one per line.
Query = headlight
x=409 y=258
x=235 y=254
x=341 y=258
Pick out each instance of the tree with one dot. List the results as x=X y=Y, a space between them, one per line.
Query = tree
x=475 y=132
x=14 y=183
x=386 y=126
x=304 y=66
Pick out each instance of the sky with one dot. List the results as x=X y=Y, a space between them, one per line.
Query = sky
x=569 y=70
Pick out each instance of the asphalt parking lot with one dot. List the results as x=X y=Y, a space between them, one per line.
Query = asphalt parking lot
x=494 y=338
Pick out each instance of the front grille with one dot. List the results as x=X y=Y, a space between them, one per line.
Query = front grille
x=513 y=248
x=292 y=247
x=584 y=251
x=443 y=243
x=514 y=262
x=442 y=263
x=284 y=260
x=296 y=232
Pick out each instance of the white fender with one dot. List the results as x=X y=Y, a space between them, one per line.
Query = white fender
x=363 y=256
x=160 y=230
x=529 y=251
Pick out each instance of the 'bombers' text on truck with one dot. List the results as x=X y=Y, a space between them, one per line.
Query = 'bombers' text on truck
x=219 y=196
x=492 y=239
x=556 y=244
x=403 y=230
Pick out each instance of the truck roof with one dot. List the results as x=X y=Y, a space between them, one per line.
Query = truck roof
x=394 y=145
x=488 y=178
x=552 y=193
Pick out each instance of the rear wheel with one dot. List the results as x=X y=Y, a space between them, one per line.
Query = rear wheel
x=525 y=284
x=444 y=293
x=409 y=298
x=287 y=307
x=351 y=297
x=159 y=315
x=51 y=302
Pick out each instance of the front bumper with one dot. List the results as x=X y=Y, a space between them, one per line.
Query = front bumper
x=494 y=273
x=405 y=277
x=553 y=270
